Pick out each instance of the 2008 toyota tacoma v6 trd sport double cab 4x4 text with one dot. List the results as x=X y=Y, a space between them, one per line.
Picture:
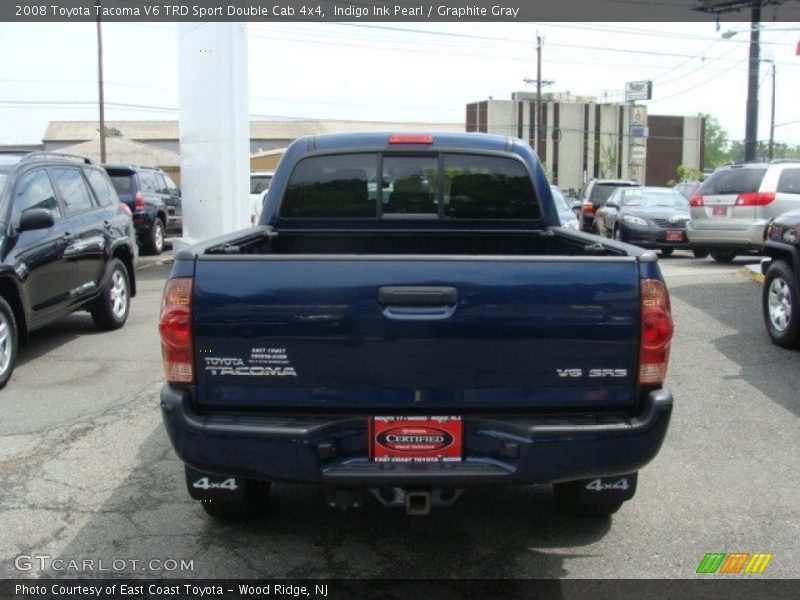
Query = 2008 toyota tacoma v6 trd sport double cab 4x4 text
x=410 y=319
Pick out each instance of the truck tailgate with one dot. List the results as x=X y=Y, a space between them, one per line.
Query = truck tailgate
x=382 y=333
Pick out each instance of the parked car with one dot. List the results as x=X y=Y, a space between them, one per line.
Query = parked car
x=649 y=217
x=154 y=200
x=451 y=337
x=732 y=207
x=781 y=292
x=67 y=244
x=565 y=213
x=259 y=184
x=594 y=195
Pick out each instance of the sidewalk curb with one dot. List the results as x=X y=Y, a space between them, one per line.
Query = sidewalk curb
x=753 y=272
x=163 y=261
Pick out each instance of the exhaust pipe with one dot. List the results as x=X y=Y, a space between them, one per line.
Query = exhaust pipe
x=418 y=502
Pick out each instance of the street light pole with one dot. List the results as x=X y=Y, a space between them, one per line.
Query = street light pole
x=537 y=132
x=100 y=88
x=772 y=116
x=751 y=113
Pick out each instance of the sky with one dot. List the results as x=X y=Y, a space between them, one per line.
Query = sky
x=398 y=71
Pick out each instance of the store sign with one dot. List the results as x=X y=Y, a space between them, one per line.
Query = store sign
x=638 y=90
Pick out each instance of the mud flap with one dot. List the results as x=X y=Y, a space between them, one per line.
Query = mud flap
x=213 y=486
x=601 y=490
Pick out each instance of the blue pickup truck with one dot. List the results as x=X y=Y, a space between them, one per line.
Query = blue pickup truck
x=409 y=320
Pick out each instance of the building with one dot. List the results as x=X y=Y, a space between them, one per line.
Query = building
x=581 y=138
x=264 y=135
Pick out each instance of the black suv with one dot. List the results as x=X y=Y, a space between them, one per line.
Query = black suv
x=66 y=243
x=154 y=200
x=594 y=196
x=781 y=293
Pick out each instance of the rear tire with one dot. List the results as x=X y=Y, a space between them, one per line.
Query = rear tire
x=154 y=242
x=698 y=253
x=667 y=251
x=723 y=256
x=569 y=501
x=780 y=301
x=251 y=505
x=111 y=309
x=9 y=342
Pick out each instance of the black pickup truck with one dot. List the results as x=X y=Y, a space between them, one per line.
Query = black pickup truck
x=411 y=319
x=66 y=244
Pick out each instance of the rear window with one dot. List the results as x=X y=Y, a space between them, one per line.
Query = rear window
x=733 y=181
x=488 y=187
x=259 y=183
x=601 y=192
x=468 y=186
x=330 y=187
x=122 y=181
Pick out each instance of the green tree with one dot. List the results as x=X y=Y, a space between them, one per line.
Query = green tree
x=686 y=174
x=716 y=144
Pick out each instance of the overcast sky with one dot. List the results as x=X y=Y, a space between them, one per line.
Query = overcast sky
x=396 y=71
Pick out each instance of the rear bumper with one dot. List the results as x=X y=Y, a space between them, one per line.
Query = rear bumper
x=745 y=238
x=497 y=449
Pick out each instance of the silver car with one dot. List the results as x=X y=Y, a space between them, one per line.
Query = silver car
x=732 y=207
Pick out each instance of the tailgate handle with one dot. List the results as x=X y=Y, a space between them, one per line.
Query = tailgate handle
x=417 y=295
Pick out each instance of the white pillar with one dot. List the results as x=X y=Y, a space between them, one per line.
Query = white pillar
x=214 y=130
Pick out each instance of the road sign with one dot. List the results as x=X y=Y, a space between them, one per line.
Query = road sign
x=638 y=116
x=637 y=155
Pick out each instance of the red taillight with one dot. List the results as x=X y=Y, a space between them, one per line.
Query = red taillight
x=401 y=138
x=124 y=208
x=587 y=207
x=657 y=330
x=755 y=199
x=175 y=327
x=138 y=201
x=696 y=201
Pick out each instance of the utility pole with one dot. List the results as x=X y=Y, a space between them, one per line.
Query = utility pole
x=772 y=115
x=100 y=88
x=537 y=133
x=751 y=115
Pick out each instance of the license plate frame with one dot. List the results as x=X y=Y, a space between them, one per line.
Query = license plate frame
x=719 y=211
x=415 y=439
x=673 y=236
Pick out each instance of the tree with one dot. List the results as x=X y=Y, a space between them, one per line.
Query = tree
x=686 y=174
x=608 y=161
x=716 y=144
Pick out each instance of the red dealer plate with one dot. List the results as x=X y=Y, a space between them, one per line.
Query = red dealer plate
x=415 y=439
x=720 y=211
x=674 y=236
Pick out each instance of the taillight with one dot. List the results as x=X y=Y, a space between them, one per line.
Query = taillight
x=138 y=201
x=657 y=330
x=125 y=208
x=755 y=199
x=403 y=138
x=175 y=327
x=587 y=207
x=696 y=201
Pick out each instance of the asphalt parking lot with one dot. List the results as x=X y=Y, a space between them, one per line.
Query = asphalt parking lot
x=87 y=471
